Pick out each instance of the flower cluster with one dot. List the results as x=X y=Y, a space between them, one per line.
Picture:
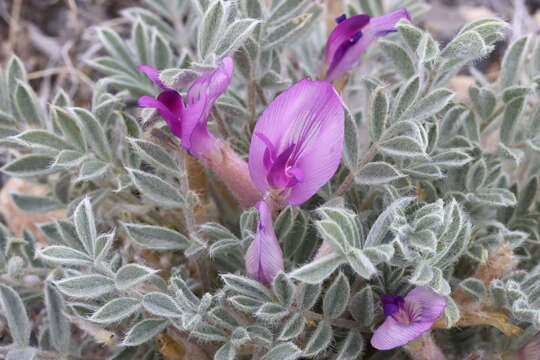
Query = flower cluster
x=295 y=149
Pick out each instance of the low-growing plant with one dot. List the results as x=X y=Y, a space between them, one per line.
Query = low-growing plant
x=300 y=192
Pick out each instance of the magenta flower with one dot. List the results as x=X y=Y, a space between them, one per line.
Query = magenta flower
x=407 y=318
x=264 y=258
x=531 y=349
x=188 y=120
x=295 y=149
x=352 y=37
x=297 y=142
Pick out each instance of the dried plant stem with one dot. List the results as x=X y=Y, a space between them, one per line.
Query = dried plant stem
x=47 y=72
x=349 y=180
x=14 y=24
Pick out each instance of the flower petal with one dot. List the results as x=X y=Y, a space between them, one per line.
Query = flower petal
x=377 y=27
x=211 y=85
x=342 y=33
x=531 y=350
x=201 y=97
x=264 y=258
x=309 y=114
x=382 y=25
x=170 y=106
x=391 y=303
x=392 y=334
x=153 y=74
x=431 y=303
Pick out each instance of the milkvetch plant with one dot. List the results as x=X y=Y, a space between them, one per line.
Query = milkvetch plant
x=229 y=193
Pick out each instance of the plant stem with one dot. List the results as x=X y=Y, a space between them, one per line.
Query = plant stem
x=490 y=119
x=222 y=125
x=260 y=92
x=342 y=323
x=431 y=79
x=349 y=180
x=252 y=93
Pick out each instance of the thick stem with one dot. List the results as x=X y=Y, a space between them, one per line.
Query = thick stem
x=234 y=172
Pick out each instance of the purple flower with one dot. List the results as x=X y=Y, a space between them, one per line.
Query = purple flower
x=188 y=120
x=407 y=318
x=531 y=349
x=297 y=142
x=295 y=149
x=264 y=258
x=352 y=36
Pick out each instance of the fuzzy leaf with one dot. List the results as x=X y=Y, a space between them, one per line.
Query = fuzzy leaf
x=351 y=347
x=429 y=105
x=513 y=111
x=130 y=275
x=248 y=287
x=292 y=29
x=211 y=27
x=64 y=255
x=27 y=105
x=161 y=304
x=59 y=327
x=35 y=204
x=513 y=61
x=144 y=331
x=352 y=142
x=70 y=128
x=94 y=133
x=320 y=339
x=283 y=351
x=156 y=189
x=483 y=100
x=284 y=289
x=29 y=165
x=85 y=225
x=362 y=306
x=44 y=139
x=293 y=327
x=86 y=286
x=474 y=288
x=156 y=237
x=337 y=297
x=235 y=35
x=308 y=295
x=406 y=97
x=116 y=310
x=398 y=57
x=15 y=313
x=378 y=114
x=376 y=173
x=318 y=270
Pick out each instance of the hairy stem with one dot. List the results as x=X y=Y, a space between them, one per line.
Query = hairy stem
x=222 y=125
x=349 y=180
x=490 y=119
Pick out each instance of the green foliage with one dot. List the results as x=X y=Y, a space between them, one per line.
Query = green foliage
x=141 y=251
